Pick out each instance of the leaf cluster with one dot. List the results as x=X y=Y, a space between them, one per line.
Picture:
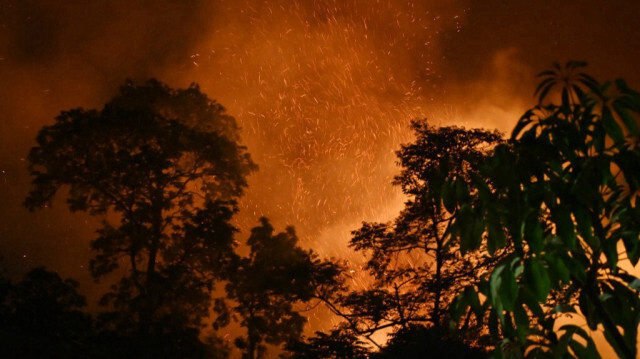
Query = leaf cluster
x=563 y=193
x=266 y=286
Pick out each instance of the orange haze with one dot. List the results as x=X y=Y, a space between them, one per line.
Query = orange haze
x=323 y=89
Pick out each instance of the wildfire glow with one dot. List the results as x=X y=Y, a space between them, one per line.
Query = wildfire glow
x=324 y=91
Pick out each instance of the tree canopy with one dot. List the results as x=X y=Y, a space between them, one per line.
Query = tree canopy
x=413 y=260
x=563 y=192
x=499 y=240
x=416 y=268
x=268 y=283
x=164 y=168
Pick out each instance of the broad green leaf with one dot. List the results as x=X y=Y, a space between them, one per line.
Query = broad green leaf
x=458 y=306
x=565 y=97
x=635 y=284
x=484 y=192
x=611 y=126
x=632 y=246
x=587 y=352
x=533 y=233
x=546 y=73
x=564 y=225
x=563 y=344
x=620 y=302
x=590 y=82
x=495 y=282
x=524 y=121
x=494 y=325
x=578 y=91
x=584 y=226
x=496 y=238
x=471 y=237
x=504 y=288
x=586 y=307
x=522 y=322
x=538 y=277
x=618 y=349
x=473 y=300
x=529 y=299
x=448 y=196
x=557 y=270
x=544 y=91
x=627 y=119
x=599 y=136
x=629 y=163
x=508 y=326
x=462 y=192
x=610 y=248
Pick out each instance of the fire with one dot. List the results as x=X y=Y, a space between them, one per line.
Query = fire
x=324 y=91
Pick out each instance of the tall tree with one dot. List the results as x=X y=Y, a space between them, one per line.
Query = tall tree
x=276 y=276
x=417 y=269
x=563 y=192
x=164 y=168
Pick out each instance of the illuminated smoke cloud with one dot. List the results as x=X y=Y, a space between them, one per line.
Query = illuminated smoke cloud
x=324 y=90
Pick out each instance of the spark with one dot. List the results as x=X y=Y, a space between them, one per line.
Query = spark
x=324 y=91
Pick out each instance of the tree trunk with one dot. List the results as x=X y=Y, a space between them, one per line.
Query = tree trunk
x=439 y=262
x=150 y=299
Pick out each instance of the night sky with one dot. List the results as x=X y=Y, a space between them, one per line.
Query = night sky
x=323 y=89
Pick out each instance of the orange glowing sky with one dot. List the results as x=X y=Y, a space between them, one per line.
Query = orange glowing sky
x=323 y=89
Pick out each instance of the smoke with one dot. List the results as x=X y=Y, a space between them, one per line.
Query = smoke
x=57 y=55
x=324 y=91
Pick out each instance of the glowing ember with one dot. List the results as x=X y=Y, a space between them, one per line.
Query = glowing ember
x=324 y=91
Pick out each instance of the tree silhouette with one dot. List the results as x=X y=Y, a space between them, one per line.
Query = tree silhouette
x=417 y=341
x=40 y=317
x=563 y=192
x=268 y=284
x=164 y=168
x=416 y=267
x=338 y=344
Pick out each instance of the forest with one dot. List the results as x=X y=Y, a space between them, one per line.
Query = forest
x=514 y=246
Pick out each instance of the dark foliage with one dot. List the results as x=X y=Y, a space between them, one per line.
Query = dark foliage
x=41 y=317
x=416 y=268
x=563 y=192
x=173 y=342
x=499 y=238
x=418 y=341
x=267 y=285
x=338 y=344
x=164 y=168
